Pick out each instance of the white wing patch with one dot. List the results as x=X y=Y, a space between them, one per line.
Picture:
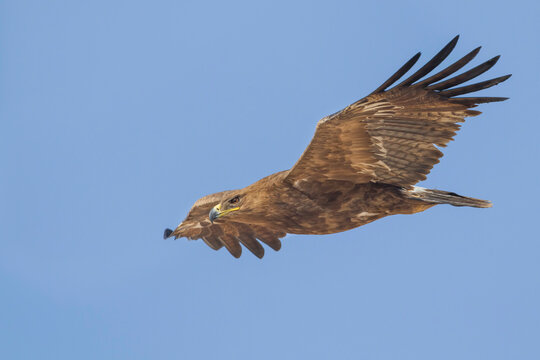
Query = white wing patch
x=364 y=215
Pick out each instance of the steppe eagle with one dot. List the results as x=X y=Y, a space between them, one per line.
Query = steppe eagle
x=361 y=165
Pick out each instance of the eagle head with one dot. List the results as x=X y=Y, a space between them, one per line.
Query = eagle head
x=225 y=207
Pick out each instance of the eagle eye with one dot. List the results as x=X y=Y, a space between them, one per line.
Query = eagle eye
x=234 y=200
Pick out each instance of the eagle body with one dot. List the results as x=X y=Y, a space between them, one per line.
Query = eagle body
x=348 y=206
x=362 y=164
x=336 y=206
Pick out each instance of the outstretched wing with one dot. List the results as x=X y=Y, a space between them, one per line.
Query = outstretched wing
x=391 y=135
x=226 y=234
x=231 y=235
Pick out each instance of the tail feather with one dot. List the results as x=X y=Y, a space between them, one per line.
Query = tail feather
x=445 y=197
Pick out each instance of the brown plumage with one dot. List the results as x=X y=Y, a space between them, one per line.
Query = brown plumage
x=361 y=164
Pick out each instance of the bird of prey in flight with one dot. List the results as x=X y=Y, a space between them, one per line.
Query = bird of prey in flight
x=361 y=165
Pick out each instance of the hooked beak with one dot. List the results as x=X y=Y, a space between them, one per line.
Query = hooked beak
x=216 y=212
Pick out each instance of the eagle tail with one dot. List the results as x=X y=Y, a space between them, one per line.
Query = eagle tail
x=445 y=197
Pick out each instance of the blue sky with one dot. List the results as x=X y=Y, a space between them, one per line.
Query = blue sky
x=115 y=116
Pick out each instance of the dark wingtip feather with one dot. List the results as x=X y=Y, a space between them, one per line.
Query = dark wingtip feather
x=398 y=74
x=474 y=87
x=273 y=243
x=431 y=64
x=450 y=69
x=252 y=245
x=452 y=43
x=167 y=233
x=472 y=101
x=466 y=76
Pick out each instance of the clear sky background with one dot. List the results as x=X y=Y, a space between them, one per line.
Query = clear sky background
x=115 y=116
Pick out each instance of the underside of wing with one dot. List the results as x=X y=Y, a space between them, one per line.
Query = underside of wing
x=391 y=136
